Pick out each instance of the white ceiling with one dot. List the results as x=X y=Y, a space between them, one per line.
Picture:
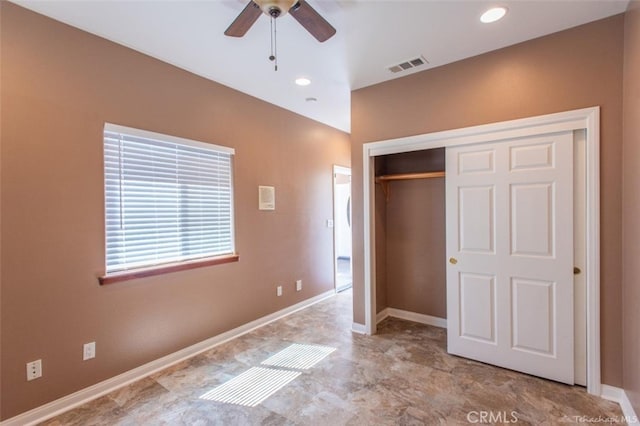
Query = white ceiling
x=371 y=35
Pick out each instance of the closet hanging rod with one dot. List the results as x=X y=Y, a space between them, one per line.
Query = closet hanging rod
x=407 y=176
x=385 y=179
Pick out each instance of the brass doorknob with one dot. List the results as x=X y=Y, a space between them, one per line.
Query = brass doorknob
x=453 y=260
x=576 y=270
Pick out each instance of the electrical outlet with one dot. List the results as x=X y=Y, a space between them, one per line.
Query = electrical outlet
x=298 y=285
x=329 y=223
x=34 y=369
x=89 y=351
x=279 y=290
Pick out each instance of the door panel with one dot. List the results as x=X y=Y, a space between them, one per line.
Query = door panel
x=476 y=219
x=477 y=297
x=532 y=213
x=476 y=162
x=532 y=156
x=510 y=240
x=532 y=315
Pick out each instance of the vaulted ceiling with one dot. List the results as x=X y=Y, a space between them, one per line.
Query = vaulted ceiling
x=371 y=36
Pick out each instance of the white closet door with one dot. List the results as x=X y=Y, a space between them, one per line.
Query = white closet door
x=510 y=250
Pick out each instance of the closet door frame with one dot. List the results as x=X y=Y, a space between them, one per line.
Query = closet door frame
x=587 y=118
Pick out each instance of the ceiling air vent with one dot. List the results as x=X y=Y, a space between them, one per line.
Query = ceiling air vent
x=407 y=65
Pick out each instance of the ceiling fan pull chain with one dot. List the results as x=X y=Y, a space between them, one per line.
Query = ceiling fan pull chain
x=271 y=57
x=275 y=42
x=274 y=47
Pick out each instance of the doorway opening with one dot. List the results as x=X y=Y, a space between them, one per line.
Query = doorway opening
x=342 y=227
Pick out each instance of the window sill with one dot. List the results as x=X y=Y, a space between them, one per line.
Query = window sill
x=167 y=268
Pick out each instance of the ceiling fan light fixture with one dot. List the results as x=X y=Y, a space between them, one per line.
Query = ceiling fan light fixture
x=494 y=14
x=275 y=8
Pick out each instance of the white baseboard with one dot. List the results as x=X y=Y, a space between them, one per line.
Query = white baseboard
x=358 y=328
x=382 y=315
x=411 y=316
x=82 y=396
x=627 y=410
x=618 y=395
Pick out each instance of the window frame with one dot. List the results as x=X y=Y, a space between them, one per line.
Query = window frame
x=167 y=267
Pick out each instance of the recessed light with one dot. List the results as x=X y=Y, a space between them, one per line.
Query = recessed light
x=302 y=81
x=311 y=99
x=494 y=14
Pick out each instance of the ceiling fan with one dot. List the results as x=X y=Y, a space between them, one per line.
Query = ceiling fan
x=299 y=9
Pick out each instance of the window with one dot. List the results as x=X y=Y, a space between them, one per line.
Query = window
x=167 y=199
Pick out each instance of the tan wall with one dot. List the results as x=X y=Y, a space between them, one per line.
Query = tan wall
x=59 y=86
x=416 y=272
x=577 y=68
x=631 y=207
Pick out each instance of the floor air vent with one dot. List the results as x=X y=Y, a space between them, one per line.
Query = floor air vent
x=407 y=65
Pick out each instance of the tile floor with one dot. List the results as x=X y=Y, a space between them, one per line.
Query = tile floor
x=401 y=376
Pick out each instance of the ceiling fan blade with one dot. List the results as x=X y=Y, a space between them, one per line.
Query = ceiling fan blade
x=312 y=21
x=244 y=21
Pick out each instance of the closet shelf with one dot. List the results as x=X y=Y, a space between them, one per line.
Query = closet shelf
x=385 y=179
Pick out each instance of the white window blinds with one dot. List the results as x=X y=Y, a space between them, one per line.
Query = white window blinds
x=167 y=199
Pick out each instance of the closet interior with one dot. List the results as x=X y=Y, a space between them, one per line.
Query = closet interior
x=410 y=232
